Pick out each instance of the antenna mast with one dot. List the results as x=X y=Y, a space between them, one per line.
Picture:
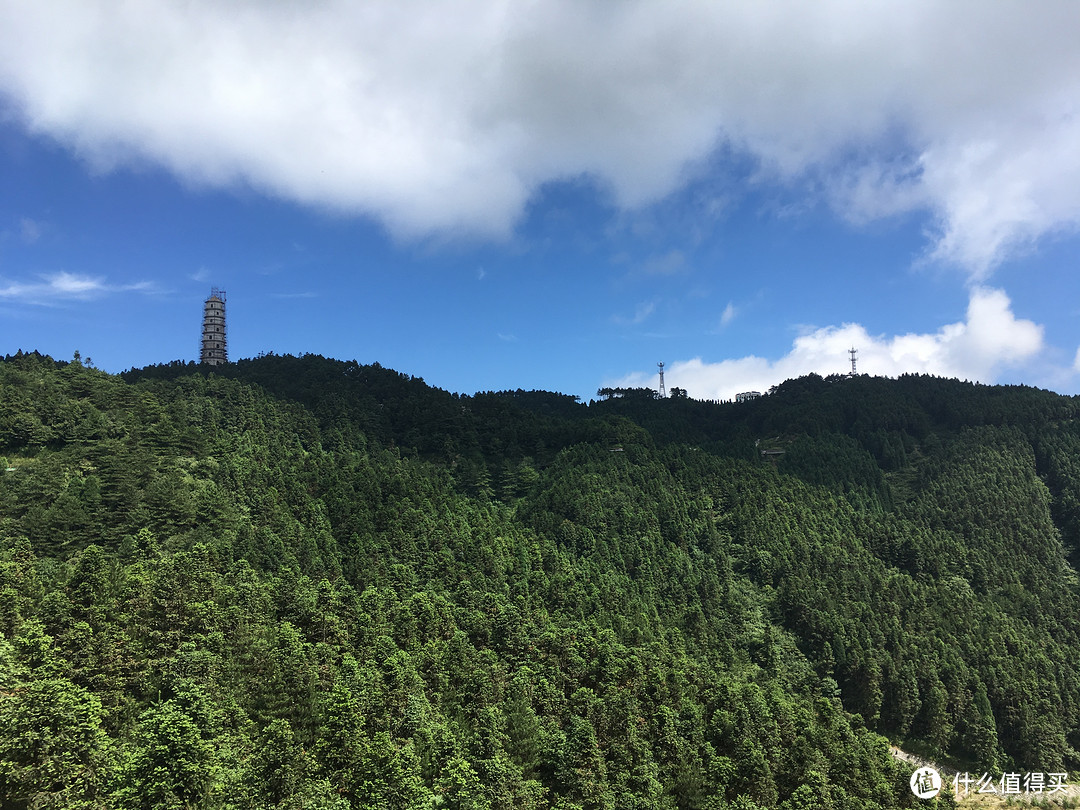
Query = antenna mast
x=853 y=351
x=663 y=393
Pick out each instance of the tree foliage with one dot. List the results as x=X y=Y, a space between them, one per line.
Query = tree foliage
x=299 y=582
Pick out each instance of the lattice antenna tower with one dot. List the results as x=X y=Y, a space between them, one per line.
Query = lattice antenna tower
x=853 y=351
x=663 y=392
x=213 y=349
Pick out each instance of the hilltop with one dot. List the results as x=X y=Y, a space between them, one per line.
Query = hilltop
x=296 y=582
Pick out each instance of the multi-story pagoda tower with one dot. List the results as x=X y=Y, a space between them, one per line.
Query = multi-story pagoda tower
x=213 y=350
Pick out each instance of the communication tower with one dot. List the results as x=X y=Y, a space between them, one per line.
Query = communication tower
x=663 y=393
x=853 y=351
x=213 y=350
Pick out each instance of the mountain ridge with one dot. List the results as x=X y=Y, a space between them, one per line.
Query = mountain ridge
x=406 y=595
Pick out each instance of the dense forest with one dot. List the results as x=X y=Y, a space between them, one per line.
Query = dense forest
x=305 y=583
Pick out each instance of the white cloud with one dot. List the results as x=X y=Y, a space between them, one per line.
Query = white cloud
x=64 y=286
x=991 y=338
x=30 y=229
x=665 y=265
x=75 y=286
x=728 y=315
x=441 y=118
x=641 y=314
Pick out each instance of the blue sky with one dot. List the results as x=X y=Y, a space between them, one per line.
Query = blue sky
x=551 y=195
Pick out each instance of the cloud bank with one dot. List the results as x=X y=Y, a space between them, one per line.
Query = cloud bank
x=446 y=118
x=990 y=339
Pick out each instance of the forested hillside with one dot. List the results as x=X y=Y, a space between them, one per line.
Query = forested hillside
x=306 y=583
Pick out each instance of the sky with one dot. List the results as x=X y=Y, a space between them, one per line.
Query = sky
x=551 y=194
